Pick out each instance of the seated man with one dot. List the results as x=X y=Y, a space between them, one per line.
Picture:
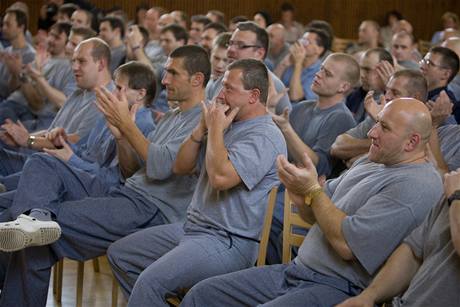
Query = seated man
x=44 y=85
x=359 y=219
x=453 y=44
x=312 y=127
x=249 y=41
x=219 y=59
x=151 y=195
x=376 y=68
x=96 y=153
x=112 y=31
x=224 y=220
x=77 y=116
x=299 y=68
x=425 y=268
x=402 y=46
x=440 y=66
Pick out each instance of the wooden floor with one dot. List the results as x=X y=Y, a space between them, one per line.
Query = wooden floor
x=97 y=287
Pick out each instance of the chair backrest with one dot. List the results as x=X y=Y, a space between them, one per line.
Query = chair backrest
x=341 y=44
x=291 y=220
x=423 y=46
x=266 y=228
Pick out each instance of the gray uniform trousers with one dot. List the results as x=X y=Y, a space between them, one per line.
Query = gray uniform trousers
x=160 y=261
x=89 y=225
x=275 y=285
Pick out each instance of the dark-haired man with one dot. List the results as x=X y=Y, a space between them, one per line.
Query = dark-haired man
x=249 y=41
x=196 y=28
x=152 y=193
x=20 y=52
x=224 y=220
x=210 y=32
x=112 y=31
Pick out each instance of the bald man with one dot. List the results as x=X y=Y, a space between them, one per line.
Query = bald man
x=278 y=48
x=358 y=219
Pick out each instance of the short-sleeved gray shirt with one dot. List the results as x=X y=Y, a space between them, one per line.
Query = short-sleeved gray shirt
x=437 y=281
x=155 y=181
x=361 y=130
x=383 y=205
x=318 y=128
x=58 y=73
x=79 y=113
x=28 y=55
x=284 y=103
x=117 y=55
x=449 y=140
x=252 y=146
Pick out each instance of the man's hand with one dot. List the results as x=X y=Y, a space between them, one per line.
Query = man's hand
x=54 y=136
x=116 y=111
x=371 y=106
x=451 y=182
x=64 y=153
x=17 y=134
x=216 y=116
x=385 y=70
x=297 y=53
x=14 y=63
x=299 y=180
x=134 y=37
x=282 y=121
x=440 y=109
x=357 y=301
x=274 y=97
x=33 y=72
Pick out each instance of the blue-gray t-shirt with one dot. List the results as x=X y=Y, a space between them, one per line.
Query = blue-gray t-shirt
x=252 y=146
x=383 y=205
x=318 y=128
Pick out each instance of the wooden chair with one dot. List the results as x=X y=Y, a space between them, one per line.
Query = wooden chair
x=291 y=221
x=57 y=281
x=341 y=44
x=261 y=258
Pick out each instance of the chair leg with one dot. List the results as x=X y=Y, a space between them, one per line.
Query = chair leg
x=57 y=283
x=96 y=265
x=114 y=292
x=81 y=271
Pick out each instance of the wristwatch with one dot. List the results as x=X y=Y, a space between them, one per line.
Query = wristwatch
x=31 y=140
x=454 y=196
x=308 y=200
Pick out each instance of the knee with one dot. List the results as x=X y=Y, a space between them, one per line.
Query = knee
x=115 y=255
x=198 y=295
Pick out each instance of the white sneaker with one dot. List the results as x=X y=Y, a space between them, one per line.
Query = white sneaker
x=27 y=231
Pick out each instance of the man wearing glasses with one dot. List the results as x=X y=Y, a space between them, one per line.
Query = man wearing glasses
x=249 y=41
x=439 y=66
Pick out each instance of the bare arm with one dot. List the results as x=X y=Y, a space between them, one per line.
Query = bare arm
x=296 y=92
x=52 y=94
x=187 y=156
x=347 y=147
x=392 y=279
x=303 y=180
x=222 y=175
x=34 y=99
x=452 y=184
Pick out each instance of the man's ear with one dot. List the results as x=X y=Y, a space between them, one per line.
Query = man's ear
x=197 y=79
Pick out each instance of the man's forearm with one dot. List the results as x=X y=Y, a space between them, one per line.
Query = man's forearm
x=435 y=148
x=136 y=139
x=296 y=147
x=187 y=156
x=347 y=147
x=127 y=158
x=295 y=85
x=32 y=94
x=395 y=275
x=52 y=94
x=454 y=223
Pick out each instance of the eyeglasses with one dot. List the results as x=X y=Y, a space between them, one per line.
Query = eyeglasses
x=241 y=45
x=430 y=63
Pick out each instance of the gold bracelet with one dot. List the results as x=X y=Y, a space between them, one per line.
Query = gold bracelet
x=312 y=194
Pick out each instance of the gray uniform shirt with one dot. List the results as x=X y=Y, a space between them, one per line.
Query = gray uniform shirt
x=383 y=205
x=79 y=113
x=437 y=281
x=116 y=56
x=361 y=130
x=252 y=146
x=449 y=140
x=284 y=103
x=156 y=181
x=28 y=55
x=58 y=73
x=318 y=128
